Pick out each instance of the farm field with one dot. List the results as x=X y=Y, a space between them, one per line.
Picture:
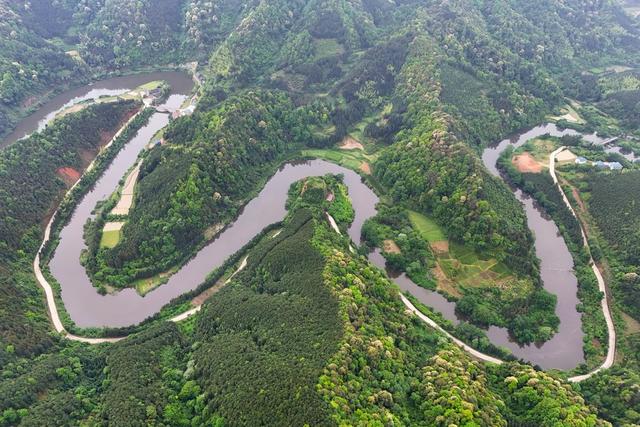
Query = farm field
x=429 y=230
x=357 y=160
x=110 y=238
x=457 y=265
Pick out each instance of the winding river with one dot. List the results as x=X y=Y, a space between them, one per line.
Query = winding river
x=180 y=82
x=564 y=350
x=88 y=308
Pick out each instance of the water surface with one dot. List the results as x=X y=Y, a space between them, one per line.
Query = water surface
x=179 y=81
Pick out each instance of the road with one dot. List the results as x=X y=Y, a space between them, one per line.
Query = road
x=608 y=362
x=48 y=290
x=611 y=330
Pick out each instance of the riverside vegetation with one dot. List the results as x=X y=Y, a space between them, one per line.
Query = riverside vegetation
x=305 y=276
x=425 y=84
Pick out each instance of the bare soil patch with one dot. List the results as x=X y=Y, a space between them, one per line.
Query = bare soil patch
x=390 y=247
x=526 y=163
x=201 y=298
x=444 y=283
x=126 y=197
x=73 y=109
x=113 y=226
x=69 y=175
x=350 y=143
x=566 y=156
x=440 y=247
x=365 y=168
x=578 y=199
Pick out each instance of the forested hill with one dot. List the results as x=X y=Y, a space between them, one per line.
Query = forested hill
x=306 y=334
x=513 y=57
x=459 y=76
x=309 y=332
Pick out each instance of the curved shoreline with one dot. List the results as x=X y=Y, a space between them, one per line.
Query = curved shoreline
x=611 y=348
x=59 y=327
x=40 y=114
x=42 y=281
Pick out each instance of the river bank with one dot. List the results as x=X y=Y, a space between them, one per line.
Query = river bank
x=107 y=84
x=99 y=311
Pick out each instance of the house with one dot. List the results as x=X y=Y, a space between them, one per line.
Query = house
x=187 y=111
x=581 y=161
x=614 y=166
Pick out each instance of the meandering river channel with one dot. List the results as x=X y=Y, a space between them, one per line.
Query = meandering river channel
x=180 y=82
x=88 y=308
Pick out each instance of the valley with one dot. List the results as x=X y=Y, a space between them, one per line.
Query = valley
x=319 y=213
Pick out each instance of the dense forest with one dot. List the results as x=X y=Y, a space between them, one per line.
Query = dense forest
x=200 y=178
x=306 y=325
x=310 y=332
x=35 y=173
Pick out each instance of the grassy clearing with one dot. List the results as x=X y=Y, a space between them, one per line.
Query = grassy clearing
x=325 y=48
x=540 y=149
x=357 y=131
x=151 y=85
x=429 y=230
x=146 y=285
x=569 y=114
x=110 y=238
x=351 y=159
x=457 y=265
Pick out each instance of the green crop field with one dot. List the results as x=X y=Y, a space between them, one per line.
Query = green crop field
x=351 y=159
x=110 y=239
x=429 y=230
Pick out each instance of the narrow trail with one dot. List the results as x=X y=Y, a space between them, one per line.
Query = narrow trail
x=611 y=348
x=186 y=314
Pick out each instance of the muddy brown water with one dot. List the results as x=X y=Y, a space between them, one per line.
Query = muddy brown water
x=179 y=81
x=88 y=308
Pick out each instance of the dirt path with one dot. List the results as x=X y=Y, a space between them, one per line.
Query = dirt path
x=200 y=299
x=126 y=196
x=42 y=281
x=611 y=349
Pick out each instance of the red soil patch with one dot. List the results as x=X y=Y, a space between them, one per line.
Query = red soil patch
x=68 y=175
x=440 y=247
x=526 y=163
x=365 y=168
x=349 y=143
